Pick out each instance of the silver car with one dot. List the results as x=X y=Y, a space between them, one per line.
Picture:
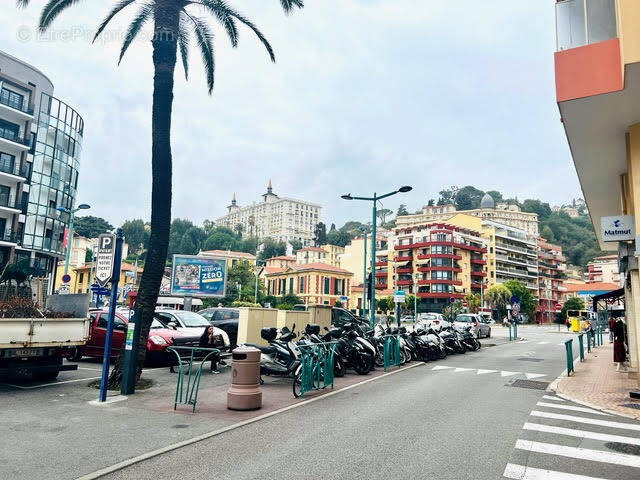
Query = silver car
x=479 y=325
x=432 y=320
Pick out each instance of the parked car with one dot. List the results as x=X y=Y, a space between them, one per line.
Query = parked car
x=407 y=319
x=225 y=319
x=341 y=316
x=189 y=323
x=437 y=321
x=160 y=337
x=479 y=325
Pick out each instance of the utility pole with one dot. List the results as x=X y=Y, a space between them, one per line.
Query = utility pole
x=364 y=274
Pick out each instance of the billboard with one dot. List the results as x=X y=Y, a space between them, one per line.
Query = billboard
x=198 y=276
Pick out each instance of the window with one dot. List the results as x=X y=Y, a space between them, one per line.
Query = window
x=7 y=162
x=291 y=285
x=441 y=262
x=11 y=98
x=441 y=249
x=301 y=285
x=583 y=22
x=441 y=288
x=9 y=130
x=439 y=275
x=327 y=282
x=81 y=278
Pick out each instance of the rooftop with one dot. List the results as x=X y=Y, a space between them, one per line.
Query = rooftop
x=591 y=287
x=227 y=253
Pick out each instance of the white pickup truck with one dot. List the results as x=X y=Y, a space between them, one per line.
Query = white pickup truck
x=37 y=346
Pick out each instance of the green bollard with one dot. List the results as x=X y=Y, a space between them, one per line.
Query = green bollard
x=581 y=345
x=589 y=337
x=569 y=349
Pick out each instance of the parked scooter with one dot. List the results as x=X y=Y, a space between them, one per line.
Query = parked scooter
x=468 y=339
x=312 y=335
x=281 y=357
x=355 y=351
x=452 y=341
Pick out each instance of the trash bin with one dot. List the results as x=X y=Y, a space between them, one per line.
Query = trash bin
x=575 y=325
x=244 y=393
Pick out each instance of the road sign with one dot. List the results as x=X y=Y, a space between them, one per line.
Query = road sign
x=344 y=299
x=515 y=299
x=105 y=258
x=558 y=307
x=465 y=303
x=515 y=309
x=452 y=300
x=399 y=296
x=66 y=278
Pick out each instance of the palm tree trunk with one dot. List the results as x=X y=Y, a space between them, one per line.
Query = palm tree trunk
x=164 y=44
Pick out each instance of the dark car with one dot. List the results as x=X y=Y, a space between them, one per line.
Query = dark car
x=225 y=319
x=341 y=316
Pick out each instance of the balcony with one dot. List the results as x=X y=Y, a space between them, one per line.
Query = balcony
x=428 y=256
x=17 y=108
x=404 y=282
x=381 y=286
x=457 y=296
x=10 y=201
x=475 y=273
x=14 y=140
x=478 y=261
x=9 y=237
x=14 y=168
x=404 y=270
x=382 y=264
x=404 y=259
x=381 y=274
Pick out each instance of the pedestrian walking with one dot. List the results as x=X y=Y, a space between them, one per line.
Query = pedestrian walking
x=619 y=344
x=209 y=340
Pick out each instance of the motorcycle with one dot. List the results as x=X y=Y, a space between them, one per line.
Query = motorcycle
x=280 y=358
x=468 y=339
x=355 y=351
x=451 y=339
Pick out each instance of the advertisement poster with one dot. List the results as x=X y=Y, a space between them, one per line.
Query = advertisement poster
x=198 y=276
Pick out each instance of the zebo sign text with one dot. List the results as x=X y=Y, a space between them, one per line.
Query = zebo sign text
x=618 y=228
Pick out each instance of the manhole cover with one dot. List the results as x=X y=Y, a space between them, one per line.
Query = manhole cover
x=623 y=448
x=532 y=384
x=632 y=405
x=530 y=359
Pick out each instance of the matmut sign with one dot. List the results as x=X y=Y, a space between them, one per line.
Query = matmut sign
x=618 y=228
x=105 y=257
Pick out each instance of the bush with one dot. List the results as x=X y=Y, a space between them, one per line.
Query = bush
x=285 y=306
x=21 y=307
x=245 y=304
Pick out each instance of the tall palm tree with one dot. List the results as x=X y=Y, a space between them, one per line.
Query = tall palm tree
x=174 y=23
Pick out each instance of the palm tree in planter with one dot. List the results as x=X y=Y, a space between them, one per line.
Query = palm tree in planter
x=175 y=23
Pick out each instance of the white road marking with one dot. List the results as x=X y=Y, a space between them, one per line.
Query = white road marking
x=579 y=453
x=463 y=369
x=534 y=375
x=94 y=369
x=482 y=372
x=543 y=343
x=590 y=421
x=440 y=367
x=520 y=472
x=561 y=344
x=549 y=397
x=573 y=408
x=30 y=387
x=507 y=374
x=572 y=432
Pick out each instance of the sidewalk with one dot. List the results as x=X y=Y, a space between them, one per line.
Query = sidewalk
x=596 y=383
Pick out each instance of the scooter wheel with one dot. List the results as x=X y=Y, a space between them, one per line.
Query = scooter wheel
x=478 y=345
x=338 y=369
x=297 y=385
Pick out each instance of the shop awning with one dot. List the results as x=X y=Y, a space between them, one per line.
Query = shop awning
x=609 y=297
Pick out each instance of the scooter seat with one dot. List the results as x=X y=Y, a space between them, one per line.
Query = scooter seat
x=262 y=348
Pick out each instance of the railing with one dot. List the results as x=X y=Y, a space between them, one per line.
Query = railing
x=9 y=201
x=8 y=236
x=14 y=168
x=584 y=22
x=190 y=396
x=391 y=351
x=20 y=106
x=316 y=366
x=10 y=135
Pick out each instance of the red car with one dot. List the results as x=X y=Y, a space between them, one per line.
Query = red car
x=160 y=338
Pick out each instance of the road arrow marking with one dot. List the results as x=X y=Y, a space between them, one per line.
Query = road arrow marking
x=440 y=367
x=462 y=369
x=507 y=374
x=549 y=397
x=534 y=375
x=482 y=372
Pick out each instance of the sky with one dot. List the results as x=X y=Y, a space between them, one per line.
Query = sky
x=365 y=96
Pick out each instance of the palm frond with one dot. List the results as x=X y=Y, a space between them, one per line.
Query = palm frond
x=136 y=25
x=289 y=5
x=117 y=8
x=204 y=37
x=51 y=10
x=183 y=43
x=22 y=3
x=221 y=8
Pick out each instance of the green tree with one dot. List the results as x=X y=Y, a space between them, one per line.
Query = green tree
x=320 y=234
x=447 y=196
x=536 y=206
x=295 y=245
x=185 y=238
x=402 y=210
x=382 y=214
x=572 y=303
x=528 y=303
x=337 y=303
x=90 y=227
x=498 y=295
x=135 y=234
x=173 y=27
x=547 y=234
x=221 y=240
x=272 y=248
x=338 y=237
x=456 y=307
x=386 y=304
x=497 y=196
x=473 y=302
x=468 y=198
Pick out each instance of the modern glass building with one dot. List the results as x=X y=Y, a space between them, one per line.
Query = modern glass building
x=40 y=145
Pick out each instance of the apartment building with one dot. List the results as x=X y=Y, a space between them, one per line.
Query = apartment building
x=283 y=219
x=597 y=77
x=333 y=254
x=40 y=145
x=504 y=213
x=603 y=269
x=551 y=274
x=436 y=262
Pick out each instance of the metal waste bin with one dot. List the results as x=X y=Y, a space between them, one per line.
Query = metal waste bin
x=244 y=393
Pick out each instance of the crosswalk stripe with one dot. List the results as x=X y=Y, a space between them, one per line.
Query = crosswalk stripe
x=573 y=408
x=507 y=374
x=579 y=453
x=572 y=432
x=440 y=367
x=561 y=344
x=549 y=397
x=463 y=369
x=520 y=472
x=590 y=421
x=482 y=372
x=534 y=375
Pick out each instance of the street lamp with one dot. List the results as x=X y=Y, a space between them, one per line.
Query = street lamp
x=363 y=229
x=82 y=206
x=374 y=199
x=416 y=278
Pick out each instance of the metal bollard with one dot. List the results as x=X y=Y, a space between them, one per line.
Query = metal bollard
x=581 y=344
x=569 y=349
x=510 y=332
x=589 y=338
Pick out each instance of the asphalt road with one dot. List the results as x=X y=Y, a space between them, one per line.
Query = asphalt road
x=459 y=418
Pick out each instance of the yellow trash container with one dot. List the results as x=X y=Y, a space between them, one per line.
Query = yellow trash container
x=575 y=325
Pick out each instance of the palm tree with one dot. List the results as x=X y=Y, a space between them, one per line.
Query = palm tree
x=174 y=23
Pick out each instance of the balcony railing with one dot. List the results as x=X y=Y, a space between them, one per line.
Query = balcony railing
x=10 y=201
x=10 y=135
x=584 y=22
x=14 y=168
x=8 y=236
x=21 y=106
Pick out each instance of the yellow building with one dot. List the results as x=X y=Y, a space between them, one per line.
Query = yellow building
x=597 y=76
x=311 y=255
x=81 y=278
x=315 y=283
x=333 y=254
